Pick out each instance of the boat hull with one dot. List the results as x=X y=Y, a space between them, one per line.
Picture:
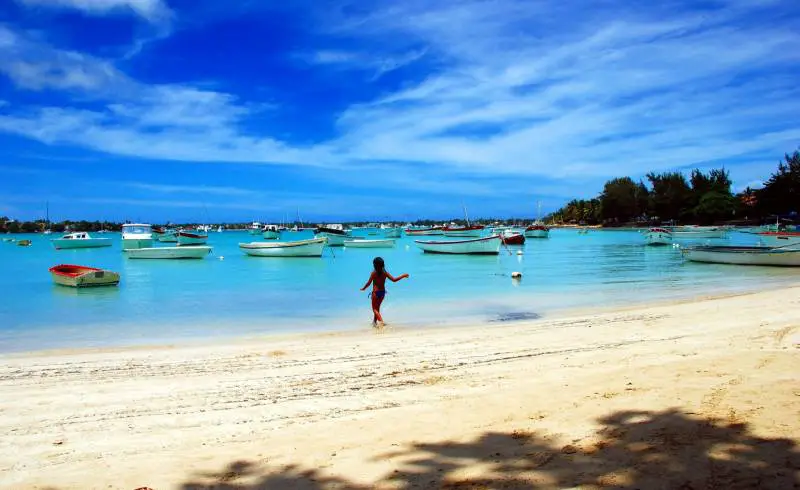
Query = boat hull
x=393 y=232
x=387 y=243
x=184 y=252
x=778 y=239
x=537 y=233
x=168 y=237
x=300 y=248
x=79 y=277
x=481 y=246
x=513 y=238
x=463 y=233
x=658 y=237
x=425 y=232
x=134 y=243
x=191 y=239
x=271 y=235
x=60 y=244
x=744 y=256
x=334 y=240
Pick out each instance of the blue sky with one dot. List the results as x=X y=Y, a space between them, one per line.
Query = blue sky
x=157 y=110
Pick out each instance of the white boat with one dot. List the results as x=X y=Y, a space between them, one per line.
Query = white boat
x=393 y=232
x=658 y=236
x=220 y=229
x=136 y=235
x=192 y=238
x=486 y=245
x=255 y=228
x=774 y=256
x=416 y=231
x=537 y=230
x=336 y=236
x=299 y=248
x=779 y=238
x=463 y=231
x=79 y=276
x=184 y=252
x=271 y=232
x=696 y=232
x=79 y=240
x=370 y=243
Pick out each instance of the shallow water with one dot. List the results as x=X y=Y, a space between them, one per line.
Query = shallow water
x=230 y=294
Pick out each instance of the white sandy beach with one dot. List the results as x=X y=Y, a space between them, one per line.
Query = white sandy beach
x=700 y=394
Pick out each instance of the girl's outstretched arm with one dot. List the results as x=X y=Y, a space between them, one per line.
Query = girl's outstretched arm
x=371 y=277
x=395 y=279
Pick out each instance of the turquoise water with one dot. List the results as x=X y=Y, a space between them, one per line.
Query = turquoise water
x=229 y=294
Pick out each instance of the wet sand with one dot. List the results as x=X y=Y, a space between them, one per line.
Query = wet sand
x=699 y=394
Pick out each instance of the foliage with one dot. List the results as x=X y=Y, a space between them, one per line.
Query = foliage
x=781 y=193
x=578 y=211
x=671 y=197
x=623 y=199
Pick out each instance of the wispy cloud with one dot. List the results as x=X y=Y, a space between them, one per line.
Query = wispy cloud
x=189 y=189
x=512 y=88
x=155 y=11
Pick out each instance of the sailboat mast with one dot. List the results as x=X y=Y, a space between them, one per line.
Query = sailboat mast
x=466 y=217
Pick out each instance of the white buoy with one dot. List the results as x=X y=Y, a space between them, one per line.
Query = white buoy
x=516 y=275
x=519 y=252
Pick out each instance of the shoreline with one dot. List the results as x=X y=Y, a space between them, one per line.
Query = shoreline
x=356 y=332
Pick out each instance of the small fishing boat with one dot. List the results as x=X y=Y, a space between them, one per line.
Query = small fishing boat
x=299 y=248
x=779 y=238
x=696 y=232
x=336 y=236
x=192 y=238
x=24 y=243
x=434 y=230
x=167 y=236
x=78 y=276
x=511 y=237
x=773 y=256
x=463 y=231
x=79 y=240
x=370 y=243
x=392 y=232
x=486 y=245
x=255 y=228
x=136 y=235
x=271 y=232
x=658 y=236
x=537 y=230
x=182 y=252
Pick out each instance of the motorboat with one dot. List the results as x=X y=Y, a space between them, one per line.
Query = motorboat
x=192 y=238
x=463 y=231
x=299 y=248
x=255 y=228
x=182 y=252
x=78 y=276
x=271 y=232
x=392 y=232
x=166 y=235
x=485 y=245
x=658 y=236
x=370 y=243
x=136 y=235
x=511 y=237
x=537 y=230
x=80 y=239
x=779 y=238
x=336 y=236
x=773 y=256
x=433 y=230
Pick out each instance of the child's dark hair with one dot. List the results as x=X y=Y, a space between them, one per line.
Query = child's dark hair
x=377 y=263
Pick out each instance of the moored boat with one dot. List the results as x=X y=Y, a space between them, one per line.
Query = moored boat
x=463 y=231
x=136 y=235
x=255 y=228
x=299 y=248
x=24 y=243
x=370 y=243
x=183 y=252
x=79 y=240
x=696 y=232
x=537 y=230
x=192 y=238
x=167 y=235
x=511 y=237
x=271 y=232
x=335 y=236
x=392 y=232
x=434 y=230
x=658 y=236
x=779 y=238
x=77 y=276
x=485 y=245
x=772 y=256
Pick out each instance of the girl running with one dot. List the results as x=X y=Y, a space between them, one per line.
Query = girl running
x=378 y=281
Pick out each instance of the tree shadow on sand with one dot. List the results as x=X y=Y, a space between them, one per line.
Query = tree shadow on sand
x=633 y=449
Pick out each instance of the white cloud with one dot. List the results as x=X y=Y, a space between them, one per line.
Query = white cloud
x=155 y=11
x=518 y=89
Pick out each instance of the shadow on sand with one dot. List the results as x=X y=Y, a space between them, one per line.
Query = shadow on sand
x=642 y=450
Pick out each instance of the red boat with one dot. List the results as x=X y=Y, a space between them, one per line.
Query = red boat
x=81 y=276
x=513 y=238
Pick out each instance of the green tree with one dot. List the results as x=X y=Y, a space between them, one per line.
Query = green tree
x=671 y=196
x=714 y=206
x=781 y=193
x=623 y=199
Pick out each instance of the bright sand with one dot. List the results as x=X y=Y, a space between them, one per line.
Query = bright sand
x=704 y=394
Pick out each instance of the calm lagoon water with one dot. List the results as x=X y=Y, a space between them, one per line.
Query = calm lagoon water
x=229 y=294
